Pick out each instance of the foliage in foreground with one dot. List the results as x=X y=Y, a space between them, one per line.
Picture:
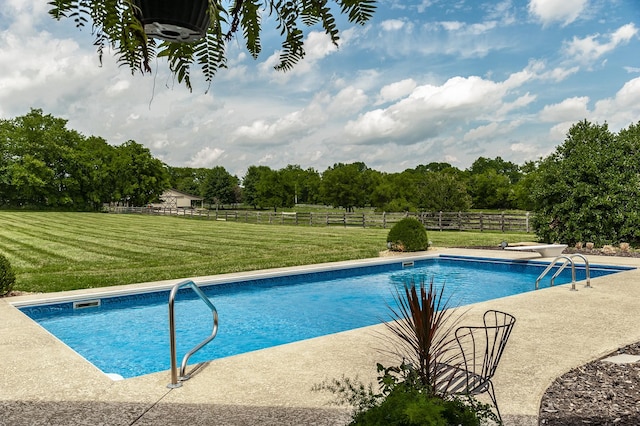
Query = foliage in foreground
x=588 y=190
x=408 y=234
x=7 y=276
x=116 y=25
x=405 y=400
x=413 y=393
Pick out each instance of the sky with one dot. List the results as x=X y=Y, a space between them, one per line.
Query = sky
x=424 y=81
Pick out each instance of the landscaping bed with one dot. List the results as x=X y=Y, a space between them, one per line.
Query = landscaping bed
x=597 y=393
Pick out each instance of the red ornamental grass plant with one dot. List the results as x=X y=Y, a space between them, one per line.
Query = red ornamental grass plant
x=416 y=392
x=425 y=323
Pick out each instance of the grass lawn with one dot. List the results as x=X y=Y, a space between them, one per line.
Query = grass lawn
x=64 y=251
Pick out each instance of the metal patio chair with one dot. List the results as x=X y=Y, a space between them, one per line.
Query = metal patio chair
x=481 y=348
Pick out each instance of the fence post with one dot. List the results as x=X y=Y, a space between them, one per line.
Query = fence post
x=440 y=221
x=384 y=220
x=364 y=223
x=502 y=221
x=310 y=218
x=481 y=222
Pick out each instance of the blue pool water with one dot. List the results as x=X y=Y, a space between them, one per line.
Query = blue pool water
x=128 y=335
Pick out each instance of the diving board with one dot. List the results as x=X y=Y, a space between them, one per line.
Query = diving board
x=545 y=250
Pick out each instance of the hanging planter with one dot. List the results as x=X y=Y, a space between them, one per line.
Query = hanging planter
x=174 y=20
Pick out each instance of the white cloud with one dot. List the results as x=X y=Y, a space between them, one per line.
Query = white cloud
x=589 y=49
x=559 y=132
x=559 y=74
x=452 y=25
x=503 y=11
x=549 y=11
x=523 y=147
x=206 y=157
x=519 y=103
x=396 y=90
x=317 y=46
x=622 y=109
x=430 y=109
x=462 y=28
x=392 y=24
x=481 y=132
x=347 y=101
x=571 y=109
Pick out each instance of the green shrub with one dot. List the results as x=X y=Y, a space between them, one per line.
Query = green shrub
x=7 y=277
x=408 y=235
x=404 y=400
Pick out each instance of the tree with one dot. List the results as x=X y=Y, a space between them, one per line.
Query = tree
x=490 y=183
x=139 y=178
x=443 y=192
x=305 y=184
x=489 y=190
x=264 y=187
x=117 y=24
x=273 y=190
x=348 y=185
x=96 y=179
x=500 y=166
x=520 y=196
x=188 y=179
x=219 y=186
x=589 y=188
x=39 y=164
x=250 y=184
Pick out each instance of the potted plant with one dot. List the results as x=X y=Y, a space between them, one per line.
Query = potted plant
x=171 y=20
x=197 y=31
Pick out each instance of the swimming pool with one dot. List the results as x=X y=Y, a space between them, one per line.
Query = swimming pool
x=128 y=335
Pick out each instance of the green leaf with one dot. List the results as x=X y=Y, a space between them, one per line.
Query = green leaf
x=117 y=24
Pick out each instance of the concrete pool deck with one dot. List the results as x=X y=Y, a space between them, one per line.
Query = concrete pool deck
x=45 y=382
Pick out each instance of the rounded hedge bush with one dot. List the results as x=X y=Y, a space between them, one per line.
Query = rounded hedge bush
x=408 y=235
x=7 y=276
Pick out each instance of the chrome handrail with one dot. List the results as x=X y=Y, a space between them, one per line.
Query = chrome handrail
x=551 y=265
x=172 y=332
x=568 y=260
x=561 y=268
x=586 y=267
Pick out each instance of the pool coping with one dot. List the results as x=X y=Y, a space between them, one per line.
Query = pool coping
x=556 y=330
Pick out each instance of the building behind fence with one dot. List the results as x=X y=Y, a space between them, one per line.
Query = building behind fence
x=439 y=221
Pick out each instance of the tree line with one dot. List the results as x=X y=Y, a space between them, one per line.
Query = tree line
x=487 y=184
x=587 y=190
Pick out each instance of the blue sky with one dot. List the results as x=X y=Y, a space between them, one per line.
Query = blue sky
x=424 y=81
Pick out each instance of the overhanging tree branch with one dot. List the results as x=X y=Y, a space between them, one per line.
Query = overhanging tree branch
x=120 y=24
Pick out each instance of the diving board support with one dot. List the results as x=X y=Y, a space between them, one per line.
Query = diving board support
x=175 y=381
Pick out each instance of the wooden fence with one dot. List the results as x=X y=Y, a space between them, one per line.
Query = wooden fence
x=440 y=221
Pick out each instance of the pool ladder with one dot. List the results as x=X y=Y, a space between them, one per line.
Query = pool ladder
x=175 y=381
x=568 y=260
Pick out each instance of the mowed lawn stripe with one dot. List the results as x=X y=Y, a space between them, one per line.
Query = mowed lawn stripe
x=57 y=245
x=82 y=250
